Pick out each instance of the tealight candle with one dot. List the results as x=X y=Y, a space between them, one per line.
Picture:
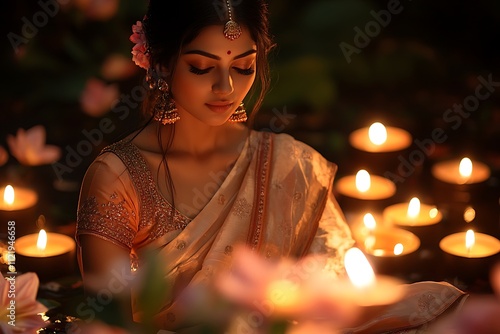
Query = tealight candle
x=17 y=198
x=50 y=255
x=418 y=218
x=413 y=213
x=18 y=205
x=364 y=288
x=464 y=171
x=365 y=186
x=379 y=138
x=470 y=255
x=470 y=244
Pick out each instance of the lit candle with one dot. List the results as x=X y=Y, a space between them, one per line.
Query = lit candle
x=413 y=213
x=364 y=288
x=379 y=138
x=464 y=171
x=470 y=244
x=365 y=186
x=50 y=255
x=390 y=242
x=17 y=198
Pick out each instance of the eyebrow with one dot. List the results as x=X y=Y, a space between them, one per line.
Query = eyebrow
x=209 y=55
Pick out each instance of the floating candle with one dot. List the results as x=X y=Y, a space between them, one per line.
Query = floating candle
x=379 y=138
x=365 y=186
x=464 y=171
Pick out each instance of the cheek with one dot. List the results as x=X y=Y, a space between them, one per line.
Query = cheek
x=183 y=86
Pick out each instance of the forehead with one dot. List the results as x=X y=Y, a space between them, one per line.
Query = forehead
x=211 y=39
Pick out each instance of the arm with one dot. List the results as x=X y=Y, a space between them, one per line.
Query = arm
x=106 y=227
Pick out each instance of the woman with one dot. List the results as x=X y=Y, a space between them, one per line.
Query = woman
x=194 y=181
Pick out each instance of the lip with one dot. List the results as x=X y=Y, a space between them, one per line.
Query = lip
x=219 y=106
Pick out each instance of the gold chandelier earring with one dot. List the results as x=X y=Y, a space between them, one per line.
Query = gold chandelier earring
x=164 y=108
x=240 y=114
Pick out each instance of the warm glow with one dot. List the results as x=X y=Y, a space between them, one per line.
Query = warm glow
x=470 y=239
x=358 y=268
x=413 y=207
x=284 y=293
x=465 y=168
x=363 y=181
x=42 y=240
x=9 y=195
x=369 y=221
x=398 y=249
x=469 y=214
x=377 y=133
x=433 y=213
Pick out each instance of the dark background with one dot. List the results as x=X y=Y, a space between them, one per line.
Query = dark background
x=428 y=57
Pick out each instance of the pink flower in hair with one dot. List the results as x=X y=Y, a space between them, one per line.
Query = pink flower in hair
x=139 y=51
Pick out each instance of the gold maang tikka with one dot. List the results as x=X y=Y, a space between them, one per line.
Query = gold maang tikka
x=232 y=30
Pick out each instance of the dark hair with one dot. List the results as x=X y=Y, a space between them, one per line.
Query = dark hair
x=168 y=25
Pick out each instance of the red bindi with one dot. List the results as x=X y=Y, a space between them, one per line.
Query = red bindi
x=229 y=52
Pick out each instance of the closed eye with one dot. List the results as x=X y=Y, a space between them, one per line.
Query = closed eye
x=199 y=71
x=244 y=71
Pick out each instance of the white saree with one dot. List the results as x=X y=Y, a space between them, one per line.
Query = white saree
x=277 y=199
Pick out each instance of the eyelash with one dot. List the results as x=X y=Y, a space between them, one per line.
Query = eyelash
x=198 y=71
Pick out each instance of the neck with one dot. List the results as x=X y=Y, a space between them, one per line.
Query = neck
x=197 y=139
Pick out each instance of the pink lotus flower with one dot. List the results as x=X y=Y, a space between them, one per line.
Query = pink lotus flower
x=19 y=310
x=4 y=156
x=117 y=67
x=29 y=148
x=294 y=290
x=139 y=51
x=99 y=10
x=98 y=98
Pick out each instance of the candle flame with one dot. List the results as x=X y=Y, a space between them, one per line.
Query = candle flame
x=465 y=168
x=363 y=181
x=398 y=249
x=42 y=240
x=358 y=268
x=377 y=133
x=413 y=208
x=369 y=221
x=433 y=212
x=469 y=214
x=470 y=239
x=9 y=195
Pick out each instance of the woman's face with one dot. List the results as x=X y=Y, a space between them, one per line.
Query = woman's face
x=213 y=75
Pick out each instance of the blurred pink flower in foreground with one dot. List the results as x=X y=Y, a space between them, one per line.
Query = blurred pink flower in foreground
x=97 y=98
x=29 y=148
x=100 y=10
x=4 y=156
x=286 y=289
x=18 y=298
x=117 y=67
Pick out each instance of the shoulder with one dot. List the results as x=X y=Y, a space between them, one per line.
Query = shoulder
x=112 y=159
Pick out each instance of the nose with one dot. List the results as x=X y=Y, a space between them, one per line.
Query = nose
x=223 y=84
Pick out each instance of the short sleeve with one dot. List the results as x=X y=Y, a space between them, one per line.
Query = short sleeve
x=108 y=205
x=333 y=237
